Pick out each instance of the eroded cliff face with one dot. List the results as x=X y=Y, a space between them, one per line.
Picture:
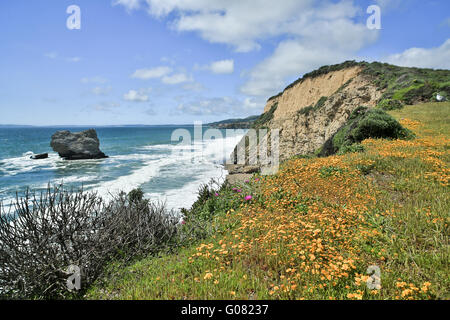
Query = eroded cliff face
x=305 y=132
x=307 y=92
x=310 y=111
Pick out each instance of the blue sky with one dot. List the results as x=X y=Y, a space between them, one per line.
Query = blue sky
x=177 y=61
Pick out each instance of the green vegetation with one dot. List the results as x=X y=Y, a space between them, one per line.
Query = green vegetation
x=319 y=104
x=45 y=234
x=390 y=104
x=243 y=123
x=364 y=123
x=321 y=71
x=312 y=230
x=408 y=85
x=355 y=147
x=265 y=118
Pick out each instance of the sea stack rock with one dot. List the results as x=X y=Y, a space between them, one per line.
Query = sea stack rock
x=77 y=145
x=39 y=156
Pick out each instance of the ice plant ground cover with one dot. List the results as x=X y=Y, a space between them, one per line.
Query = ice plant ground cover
x=312 y=230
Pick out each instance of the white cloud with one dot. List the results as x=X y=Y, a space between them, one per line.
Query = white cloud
x=324 y=35
x=222 y=67
x=146 y=74
x=252 y=103
x=235 y=22
x=203 y=106
x=438 y=57
x=135 y=96
x=313 y=33
x=176 y=78
x=129 y=5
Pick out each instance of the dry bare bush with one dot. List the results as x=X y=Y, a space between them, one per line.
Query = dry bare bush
x=41 y=236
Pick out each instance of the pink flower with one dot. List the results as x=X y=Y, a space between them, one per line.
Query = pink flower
x=248 y=198
x=217 y=194
x=183 y=222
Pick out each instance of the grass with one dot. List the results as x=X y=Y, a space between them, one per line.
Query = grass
x=408 y=85
x=364 y=123
x=420 y=83
x=262 y=120
x=312 y=230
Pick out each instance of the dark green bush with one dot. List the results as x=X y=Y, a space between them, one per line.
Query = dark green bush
x=377 y=124
x=364 y=123
x=319 y=104
x=214 y=199
x=136 y=195
x=421 y=93
x=305 y=110
x=265 y=118
x=390 y=104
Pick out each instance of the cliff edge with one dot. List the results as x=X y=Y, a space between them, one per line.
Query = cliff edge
x=311 y=110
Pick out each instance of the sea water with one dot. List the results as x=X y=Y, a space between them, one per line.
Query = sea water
x=140 y=156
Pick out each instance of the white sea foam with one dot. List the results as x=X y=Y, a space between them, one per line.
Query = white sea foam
x=210 y=153
x=131 y=181
x=202 y=161
x=23 y=164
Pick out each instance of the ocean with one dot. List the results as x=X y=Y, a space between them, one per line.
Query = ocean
x=140 y=156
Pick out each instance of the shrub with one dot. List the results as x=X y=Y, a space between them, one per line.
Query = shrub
x=42 y=236
x=422 y=93
x=265 y=117
x=364 y=123
x=377 y=124
x=305 y=110
x=216 y=199
x=319 y=104
x=390 y=104
x=408 y=85
x=136 y=195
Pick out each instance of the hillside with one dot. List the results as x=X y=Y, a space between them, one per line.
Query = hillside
x=312 y=230
x=243 y=123
x=363 y=183
x=311 y=110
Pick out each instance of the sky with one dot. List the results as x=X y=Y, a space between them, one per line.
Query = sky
x=179 y=61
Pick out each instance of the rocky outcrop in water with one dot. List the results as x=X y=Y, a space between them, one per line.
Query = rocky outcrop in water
x=77 y=145
x=39 y=156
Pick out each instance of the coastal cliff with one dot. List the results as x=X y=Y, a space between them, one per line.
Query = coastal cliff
x=310 y=111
